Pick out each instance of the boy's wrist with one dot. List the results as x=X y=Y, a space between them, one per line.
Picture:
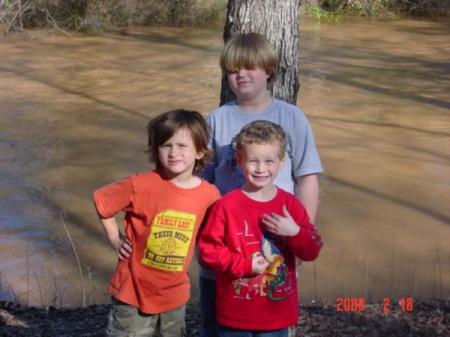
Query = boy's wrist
x=116 y=241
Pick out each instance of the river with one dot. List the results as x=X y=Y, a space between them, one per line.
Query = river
x=73 y=111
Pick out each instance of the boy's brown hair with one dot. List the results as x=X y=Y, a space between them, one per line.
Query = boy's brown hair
x=247 y=51
x=260 y=132
x=162 y=128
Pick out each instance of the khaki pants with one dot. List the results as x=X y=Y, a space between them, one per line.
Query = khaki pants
x=128 y=321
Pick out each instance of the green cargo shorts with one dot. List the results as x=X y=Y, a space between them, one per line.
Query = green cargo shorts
x=127 y=321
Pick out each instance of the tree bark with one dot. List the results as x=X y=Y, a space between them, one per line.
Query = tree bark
x=278 y=20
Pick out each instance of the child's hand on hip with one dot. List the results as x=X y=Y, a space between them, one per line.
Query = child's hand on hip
x=123 y=247
x=282 y=225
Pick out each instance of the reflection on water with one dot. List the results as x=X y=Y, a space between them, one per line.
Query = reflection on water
x=73 y=113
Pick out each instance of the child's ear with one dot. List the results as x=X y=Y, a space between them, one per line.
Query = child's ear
x=200 y=155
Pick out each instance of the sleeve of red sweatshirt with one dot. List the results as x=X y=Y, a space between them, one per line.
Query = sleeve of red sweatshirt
x=307 y=243
x=219 y=251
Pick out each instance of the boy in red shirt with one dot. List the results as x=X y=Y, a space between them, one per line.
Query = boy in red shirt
x=251 y=239
x=163 y=211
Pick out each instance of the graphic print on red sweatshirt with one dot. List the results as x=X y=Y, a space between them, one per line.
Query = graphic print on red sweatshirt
x=273 y=282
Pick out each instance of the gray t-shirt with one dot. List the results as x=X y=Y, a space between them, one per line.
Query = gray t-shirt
x=226 y=121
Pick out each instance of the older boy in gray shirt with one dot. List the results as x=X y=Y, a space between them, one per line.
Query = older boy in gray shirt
x=249 y=64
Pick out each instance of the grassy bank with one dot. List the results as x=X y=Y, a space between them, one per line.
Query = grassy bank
x=328 y=10
x=101 y=15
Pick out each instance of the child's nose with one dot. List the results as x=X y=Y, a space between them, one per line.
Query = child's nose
x=173 y=151
x=259 y=167
x=242 y=72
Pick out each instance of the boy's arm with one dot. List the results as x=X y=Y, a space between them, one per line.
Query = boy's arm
x=308 y=193
x=108 y=201
x=120 y=243
x=306 y=165
x=307 y=243
x=302 y=237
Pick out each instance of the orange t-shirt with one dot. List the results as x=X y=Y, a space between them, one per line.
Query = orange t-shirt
x=161 y=221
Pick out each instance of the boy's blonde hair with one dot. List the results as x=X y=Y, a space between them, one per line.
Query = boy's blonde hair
x=247 y=51
x=163 y=127
x=260 y=132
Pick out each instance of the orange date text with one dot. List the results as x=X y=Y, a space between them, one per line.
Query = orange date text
x=346 y=304
x=406 y=304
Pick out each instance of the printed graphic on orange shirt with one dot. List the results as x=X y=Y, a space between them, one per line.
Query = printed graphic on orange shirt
x=169 y=240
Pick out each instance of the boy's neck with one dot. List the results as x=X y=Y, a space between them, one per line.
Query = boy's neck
x=183 y=180
x=264 y=194
x=255 y=104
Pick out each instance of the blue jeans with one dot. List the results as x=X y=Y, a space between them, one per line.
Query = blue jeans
x=230 y=332
x=207 y=289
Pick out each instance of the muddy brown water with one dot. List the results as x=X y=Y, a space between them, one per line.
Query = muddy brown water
x=73 y=111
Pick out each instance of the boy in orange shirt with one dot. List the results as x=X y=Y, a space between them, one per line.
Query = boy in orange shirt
x=163 y=211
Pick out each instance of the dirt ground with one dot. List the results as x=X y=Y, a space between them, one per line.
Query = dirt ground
x=424 y=319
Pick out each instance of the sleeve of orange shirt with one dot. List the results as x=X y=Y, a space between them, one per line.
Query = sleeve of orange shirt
x=113 y=198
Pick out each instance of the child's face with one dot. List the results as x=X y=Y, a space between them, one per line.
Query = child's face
x=260 y=164
x=178 y=154
x=248 y=83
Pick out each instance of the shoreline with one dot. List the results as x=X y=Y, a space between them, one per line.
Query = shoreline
x=427 y=318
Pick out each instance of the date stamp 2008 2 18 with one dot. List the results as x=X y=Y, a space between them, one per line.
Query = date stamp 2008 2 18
x=352 y=304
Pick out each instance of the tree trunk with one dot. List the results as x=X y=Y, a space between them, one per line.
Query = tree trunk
x=278 y=20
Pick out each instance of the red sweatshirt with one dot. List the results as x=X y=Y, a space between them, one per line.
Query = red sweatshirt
x=233 y=233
